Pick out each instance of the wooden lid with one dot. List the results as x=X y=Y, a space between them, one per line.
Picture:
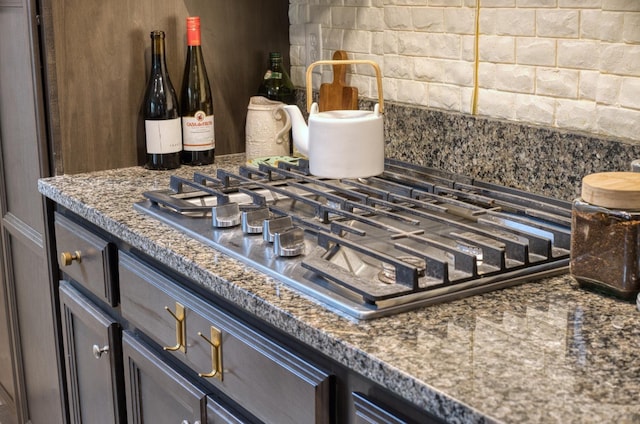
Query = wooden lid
x=615 y=190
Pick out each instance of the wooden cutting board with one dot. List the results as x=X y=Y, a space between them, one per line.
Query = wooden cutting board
x=337 y=95
x=615 y=190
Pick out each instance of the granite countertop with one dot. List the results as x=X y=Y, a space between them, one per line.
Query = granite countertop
x=541 y=352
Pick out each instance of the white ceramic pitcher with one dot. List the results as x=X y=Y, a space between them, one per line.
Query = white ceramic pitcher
x=267 y=128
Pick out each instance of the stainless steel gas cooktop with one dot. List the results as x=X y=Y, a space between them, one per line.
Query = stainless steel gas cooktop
x=366 y=248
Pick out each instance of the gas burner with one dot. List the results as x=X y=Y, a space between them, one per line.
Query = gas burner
x=371 y=247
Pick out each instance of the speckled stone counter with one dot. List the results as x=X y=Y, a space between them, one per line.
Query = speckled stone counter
x=541 y=352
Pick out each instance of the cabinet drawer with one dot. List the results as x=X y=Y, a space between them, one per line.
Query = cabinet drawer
x=270 y=382
x=155 y=392
x=87 y=258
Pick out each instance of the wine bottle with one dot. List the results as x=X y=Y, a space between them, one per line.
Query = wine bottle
x=161 y=112
x=276 y=84
x=197 y=103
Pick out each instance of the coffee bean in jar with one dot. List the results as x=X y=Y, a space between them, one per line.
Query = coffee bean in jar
x=605 y=236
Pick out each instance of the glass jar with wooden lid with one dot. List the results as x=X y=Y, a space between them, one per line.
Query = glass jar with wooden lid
x=605 y=236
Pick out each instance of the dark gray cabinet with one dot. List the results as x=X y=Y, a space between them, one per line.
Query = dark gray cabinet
x=92 y=346
x=159 y=353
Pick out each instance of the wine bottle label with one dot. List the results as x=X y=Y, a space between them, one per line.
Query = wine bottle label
x=163 y=136
x=197 y=132
x=272 y=75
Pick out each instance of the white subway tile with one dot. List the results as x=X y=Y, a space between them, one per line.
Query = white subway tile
x=445 y=3
x=377 y=43
x=487 y=75
x=427 y=19
x=414 y=44
x=466 y=100
x=487 y=21
x=398 y=18
x=332 y=40
x=514 y=78
x=444 y=97
x=414 y=92
x=460 y=20
x=398 y=67
x=631 y=30
x=343 y=17
x=468 y=48
x=588 y=87
x=497 y=3
x=557 y=82
x=497 y=104
x=619 y=122
x=391 y=42
x=445 y=46
x=536 y=51
x=578 y=54
x=620 y=59
x=535 y=109
x=458 y=73
x=621 y=5
x=608 y=91
x=576 y=114
x=558 y=23
x=590 y=24
x=357 y=41
x=630 y=93
x=611 y=26
x=537 y=3
x=580 y=4
x=498 y=49
x=370 y=18
x=428 y=69
x=520 y=22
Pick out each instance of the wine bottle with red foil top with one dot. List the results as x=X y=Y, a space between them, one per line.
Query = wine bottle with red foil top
x=198 y=139
x=161 y=112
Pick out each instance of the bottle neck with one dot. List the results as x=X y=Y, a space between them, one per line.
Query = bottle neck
x=158 y=58
x=276 y=64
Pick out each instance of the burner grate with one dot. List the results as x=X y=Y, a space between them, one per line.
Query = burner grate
x=375 y=246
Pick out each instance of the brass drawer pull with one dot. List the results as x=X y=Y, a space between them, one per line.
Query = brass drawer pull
x=67 y=258
x=181 y=330
x=216 y=353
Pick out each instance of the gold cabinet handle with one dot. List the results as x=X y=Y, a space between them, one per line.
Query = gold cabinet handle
x=99 y=351
x=67 y=258
x=181 y=330
x=216 y=354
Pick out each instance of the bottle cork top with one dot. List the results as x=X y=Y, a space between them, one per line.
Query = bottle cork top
x=615 y=190
x=193 y=30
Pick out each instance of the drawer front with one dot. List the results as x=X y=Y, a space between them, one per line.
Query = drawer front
x=270 y=382
x=155 y=392
x=87 y=258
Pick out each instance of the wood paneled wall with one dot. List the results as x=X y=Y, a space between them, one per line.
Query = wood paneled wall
x=98 y=64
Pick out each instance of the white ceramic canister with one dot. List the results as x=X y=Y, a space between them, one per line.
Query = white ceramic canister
x=267 y=128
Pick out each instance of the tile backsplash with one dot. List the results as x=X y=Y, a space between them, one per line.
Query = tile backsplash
x=568 y=65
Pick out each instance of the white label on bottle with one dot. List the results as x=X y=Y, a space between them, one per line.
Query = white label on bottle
x=197 y=132
x=163 y=136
